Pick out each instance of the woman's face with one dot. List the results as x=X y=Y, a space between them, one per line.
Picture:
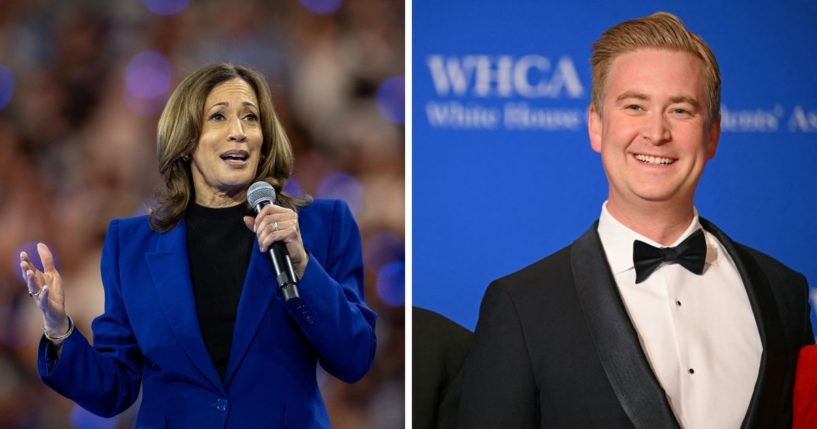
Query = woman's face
x=229 y=148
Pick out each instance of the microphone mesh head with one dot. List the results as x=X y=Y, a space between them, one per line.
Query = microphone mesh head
x=259 y=192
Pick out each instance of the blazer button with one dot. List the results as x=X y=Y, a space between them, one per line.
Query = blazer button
x=221 y=404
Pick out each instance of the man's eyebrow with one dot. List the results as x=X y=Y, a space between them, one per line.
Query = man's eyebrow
x=632 y=94
x=676 y=99
x=685 y=99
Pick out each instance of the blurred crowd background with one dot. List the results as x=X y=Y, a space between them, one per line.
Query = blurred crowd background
x=82 y=83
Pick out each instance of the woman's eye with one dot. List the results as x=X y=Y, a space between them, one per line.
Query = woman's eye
x=216 y=117
x=251 y=117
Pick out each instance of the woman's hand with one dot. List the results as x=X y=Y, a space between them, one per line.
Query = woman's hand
x=45 y=287
x=276 y=223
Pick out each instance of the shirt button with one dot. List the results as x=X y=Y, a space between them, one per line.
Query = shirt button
x=678 y=303
x=221 y=404
x=691 y=371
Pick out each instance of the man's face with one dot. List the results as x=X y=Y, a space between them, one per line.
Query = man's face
x=653 y=135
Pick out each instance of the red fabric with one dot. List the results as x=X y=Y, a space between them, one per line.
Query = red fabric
x=805 y=389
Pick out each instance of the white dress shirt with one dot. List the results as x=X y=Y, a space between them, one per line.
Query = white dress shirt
x=697 y=331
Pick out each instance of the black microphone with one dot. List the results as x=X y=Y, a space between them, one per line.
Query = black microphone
x=259 y=196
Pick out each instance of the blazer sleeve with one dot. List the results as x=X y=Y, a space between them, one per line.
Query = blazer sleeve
x=105 y=378
x=331 y=311
x=498 y=389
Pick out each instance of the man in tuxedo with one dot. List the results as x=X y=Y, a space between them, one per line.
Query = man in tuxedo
x=654 y=318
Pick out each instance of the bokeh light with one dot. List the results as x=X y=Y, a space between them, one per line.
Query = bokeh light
x=6 y=86
x=391 y=99
x=391 y=281
x=147 y=82
x=342 y=187
x=381 y=248
x=322 y=7
x=293 y=188
x=166 y=7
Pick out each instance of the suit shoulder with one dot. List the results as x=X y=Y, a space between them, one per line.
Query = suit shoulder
x=430 y=324
x=130 y=226
x=323 y=206
x=554 y=269
x=771 y=266
x=324 y=209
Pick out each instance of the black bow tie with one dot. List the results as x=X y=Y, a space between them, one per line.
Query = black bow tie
x=691 y=253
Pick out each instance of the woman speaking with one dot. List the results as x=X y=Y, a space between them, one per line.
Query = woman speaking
x=193 y=312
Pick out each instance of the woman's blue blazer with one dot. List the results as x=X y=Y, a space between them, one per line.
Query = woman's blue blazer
x=149 y=336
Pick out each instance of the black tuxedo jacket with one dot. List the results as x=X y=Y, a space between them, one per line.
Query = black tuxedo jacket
x=554 y=347
x=438 y=351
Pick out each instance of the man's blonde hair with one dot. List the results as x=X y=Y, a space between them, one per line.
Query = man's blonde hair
x=660 y=31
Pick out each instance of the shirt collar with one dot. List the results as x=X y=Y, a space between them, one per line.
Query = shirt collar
x=617 y=240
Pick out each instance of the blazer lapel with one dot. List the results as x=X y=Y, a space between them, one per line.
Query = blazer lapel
x=763 y=408
x=258 y=293
x=616 y=341
x=170 y=269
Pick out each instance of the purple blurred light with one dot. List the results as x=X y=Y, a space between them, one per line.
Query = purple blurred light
x=391 y=99
x=382 y=248
x=148 y=75
x=31 y=249
x=342 y=187
x=147 y=82
x=322 y=7
x=293 y=188
x=391 y=283
x=82 y=419
x=166 y=7
x=6 y=86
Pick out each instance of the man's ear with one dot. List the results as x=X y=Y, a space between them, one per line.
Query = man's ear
x=713 y=137
x=594 y=128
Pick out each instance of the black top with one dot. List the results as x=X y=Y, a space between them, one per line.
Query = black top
x=219 y=246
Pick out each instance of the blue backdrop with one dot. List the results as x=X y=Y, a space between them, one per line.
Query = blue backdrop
x=503 y=173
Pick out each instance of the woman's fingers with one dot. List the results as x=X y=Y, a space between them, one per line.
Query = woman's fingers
x=46 y=257
x=45 y=287
x=280 y=224
x=285 y=230
x=249 y=221
x=31 y=275
x=51 y=276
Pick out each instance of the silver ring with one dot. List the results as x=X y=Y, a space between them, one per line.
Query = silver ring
x=36 y=294
x=275 y=226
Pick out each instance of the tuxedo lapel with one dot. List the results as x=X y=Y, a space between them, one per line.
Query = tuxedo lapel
x=763 y=408
x=257 y=295
x=616 y=341
x=170 y=270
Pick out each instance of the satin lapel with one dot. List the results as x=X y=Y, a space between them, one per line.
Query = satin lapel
x=616 y=341
x=170 y=270
x=763 y=409
x=256 y=296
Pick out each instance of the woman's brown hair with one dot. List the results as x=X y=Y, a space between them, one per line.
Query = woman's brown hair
x=178 y=134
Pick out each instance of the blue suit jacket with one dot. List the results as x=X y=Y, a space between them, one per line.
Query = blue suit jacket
x=149 y=334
